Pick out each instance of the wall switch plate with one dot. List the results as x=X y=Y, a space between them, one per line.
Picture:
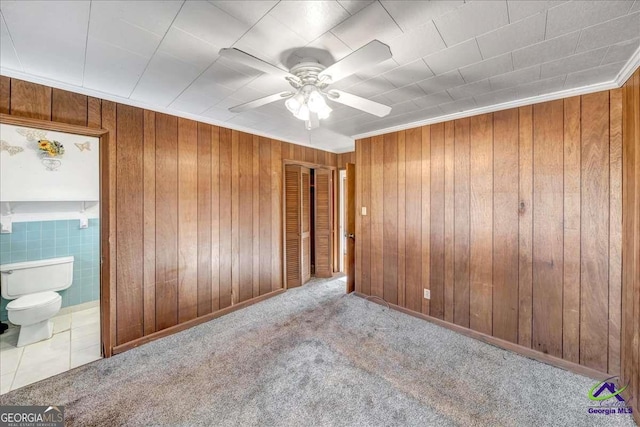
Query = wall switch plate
x=427 y=294
x=364 y=211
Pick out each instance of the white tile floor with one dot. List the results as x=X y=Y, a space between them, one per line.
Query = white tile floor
x=75 y=342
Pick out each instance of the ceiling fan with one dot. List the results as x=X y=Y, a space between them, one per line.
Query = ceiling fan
x=311 y=81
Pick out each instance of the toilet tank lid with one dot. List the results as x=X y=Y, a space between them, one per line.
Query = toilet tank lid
x=38 y=263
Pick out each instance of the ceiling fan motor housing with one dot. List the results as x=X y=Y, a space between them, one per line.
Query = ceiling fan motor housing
x=307 y=73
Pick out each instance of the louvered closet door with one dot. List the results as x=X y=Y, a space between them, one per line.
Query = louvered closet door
x=293 y=223
x=305 y=233
x=323 y=224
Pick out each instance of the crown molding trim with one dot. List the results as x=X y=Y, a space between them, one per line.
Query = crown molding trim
x=121 y=100
x=632 y=65
x=495 y=107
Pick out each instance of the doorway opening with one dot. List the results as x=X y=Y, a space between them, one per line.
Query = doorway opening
x=308 y=223
x=342 y=215
x=55 y=296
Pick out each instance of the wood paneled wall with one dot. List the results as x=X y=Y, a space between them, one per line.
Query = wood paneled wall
x=344 y=158
x=512 y=220
x=198 y=207
x=631 y=243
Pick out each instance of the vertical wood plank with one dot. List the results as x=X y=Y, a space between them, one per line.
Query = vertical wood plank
x=449 y=218
x=631 y=262
x=298 y=152
x=276 y=215
x=30 y=100
x=461 y=224
x=226 y=215
x=149 y=232
x=245 y=216
x=390 y=222
x=264 y=215
x=286 y=151
x=358 y=213
x=481 y=226
x=548 y=232
x=188 y=220
x=235 y=217
x=437 y=249
x=255 y=212
x=525 y=212
x=571 y=288
x=5 y=95
x=309 y=155
x=365 y=224
x=205 y=226
x=108 y=241
x=595 y=231
x=425 y=238
x=166 y=221
x=629 y=241
x=413 y=219
x=321 y=157
x=333 y=159
x=615 y=229
x=68 y=107
x=377 y=215
x=94 y=114
x=401 y=219
x=129 y=214
x=635 y=211
x=505 y=225
x=216 y=209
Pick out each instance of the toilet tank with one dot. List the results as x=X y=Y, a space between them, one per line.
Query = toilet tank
x=22 y=278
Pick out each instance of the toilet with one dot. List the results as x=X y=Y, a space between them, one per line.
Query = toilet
x=32 y=287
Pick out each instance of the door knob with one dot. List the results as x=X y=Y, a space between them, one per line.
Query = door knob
x=352 y=236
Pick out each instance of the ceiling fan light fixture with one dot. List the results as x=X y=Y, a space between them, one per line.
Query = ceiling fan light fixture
x=325 y=112
x=294 y=103
x=303 y=113
x=316 y=102
x=310 y=80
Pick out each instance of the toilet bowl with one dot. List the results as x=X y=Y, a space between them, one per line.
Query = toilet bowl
x=33 y=314
x=32 y=287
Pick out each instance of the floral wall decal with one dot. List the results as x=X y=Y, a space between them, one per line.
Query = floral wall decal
x=51 y=157
x=32 y=135
x=11 y=149
x=49 y=150
x=83 y=146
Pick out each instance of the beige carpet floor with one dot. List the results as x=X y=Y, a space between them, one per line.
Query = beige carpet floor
x=315 y=357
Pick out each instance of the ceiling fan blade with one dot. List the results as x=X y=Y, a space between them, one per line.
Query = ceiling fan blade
x=366 y=57
x=256 y=63
x=359 y=103
x=260 y=102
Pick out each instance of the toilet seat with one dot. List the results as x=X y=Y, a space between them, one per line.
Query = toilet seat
x=30 y=301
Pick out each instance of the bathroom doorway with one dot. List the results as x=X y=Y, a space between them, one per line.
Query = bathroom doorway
x=54 y=263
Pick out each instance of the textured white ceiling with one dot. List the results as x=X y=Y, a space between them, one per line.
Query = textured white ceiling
x=448 y=56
